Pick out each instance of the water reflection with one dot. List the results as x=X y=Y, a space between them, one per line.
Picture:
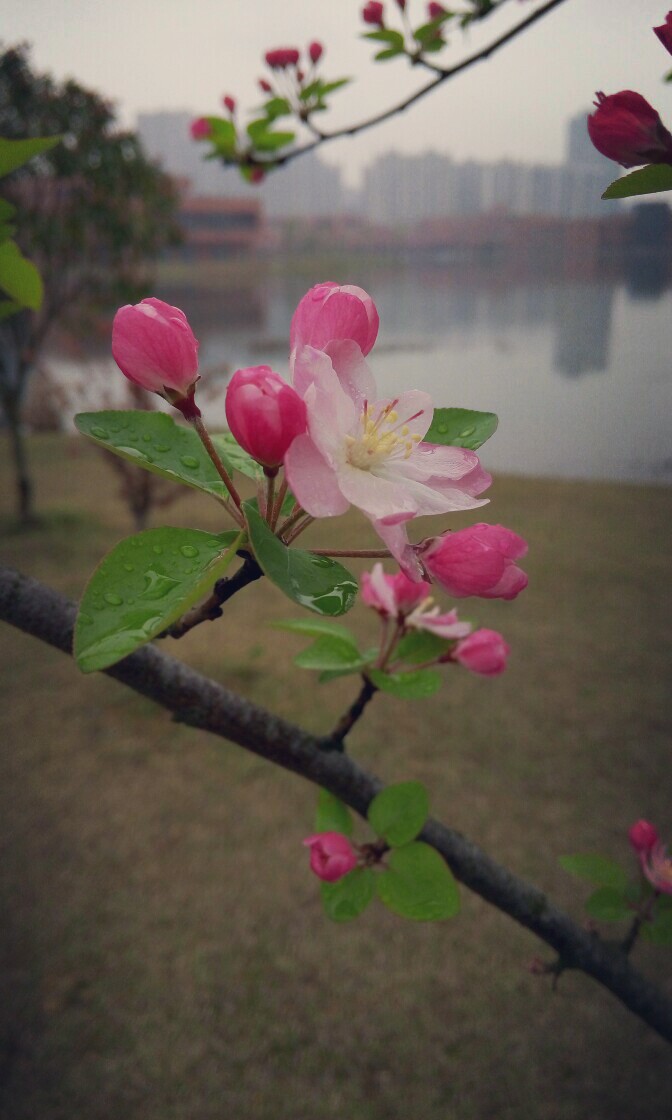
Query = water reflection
x=524 y=350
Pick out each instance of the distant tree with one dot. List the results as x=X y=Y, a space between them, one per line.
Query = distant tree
x=93 y=213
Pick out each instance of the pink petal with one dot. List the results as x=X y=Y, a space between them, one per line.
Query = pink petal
x=312 y=480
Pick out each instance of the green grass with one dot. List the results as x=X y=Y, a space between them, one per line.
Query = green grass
x=164 y=955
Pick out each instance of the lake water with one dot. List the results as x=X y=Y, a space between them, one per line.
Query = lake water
x=580 y=374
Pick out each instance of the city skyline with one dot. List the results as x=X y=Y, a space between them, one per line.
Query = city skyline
x=145 y=55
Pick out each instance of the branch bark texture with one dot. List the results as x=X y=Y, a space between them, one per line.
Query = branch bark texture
x=208 y=706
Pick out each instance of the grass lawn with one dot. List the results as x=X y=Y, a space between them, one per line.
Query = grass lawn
x=163 y=953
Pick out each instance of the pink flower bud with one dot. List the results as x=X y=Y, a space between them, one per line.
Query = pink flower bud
x=484 y=652
x=402 y=5
x=331 y=855
x=257 y=175
x=282 y=57
x=154 y=346
x=435 y=11
x=264 y=413
x=315 y=52
x=332 y=312
x=392 y=596
x=229 y=103
x=265 y=86
x=625 y=128
x=476 y=561
x=200 y=129
x=664 y=32
x=643 y=837
x=373 y=12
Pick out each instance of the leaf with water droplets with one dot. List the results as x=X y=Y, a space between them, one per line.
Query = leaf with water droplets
x=316 y=582
x=153 y=441
x=144 y=585
x=461 y=427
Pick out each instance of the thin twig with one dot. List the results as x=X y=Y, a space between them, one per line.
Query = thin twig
x=223 y=590
x=401 y=106
x=334 y=741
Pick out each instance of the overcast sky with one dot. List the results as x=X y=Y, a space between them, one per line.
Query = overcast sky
x=184 y=54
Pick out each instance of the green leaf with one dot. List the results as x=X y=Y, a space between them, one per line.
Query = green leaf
x=652 y=179
x=266 y=140
x=14 y=153
x=398 y=813
x=316 y=628
x=598 y=870
x=609 y=904
x=9 y=307
x=144 y=585
x=413 y=685
x=330 y=87
x=390 y=52
x=316 y=582
x=385 y=35
x=347 y=898
x=332 y=815
x=19 y=277
x=222 y=135
x=461 y=427
x=329 y=653
x=235 y=458
x=277 y=107
x=421 y=645
x=418 y=884
x=154 y=441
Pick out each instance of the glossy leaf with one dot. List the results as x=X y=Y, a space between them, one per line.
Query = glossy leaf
x=598 y=870
x=421 y=645
x=234 y=457
x=154 y=441
x=413 y=685
x=332 y=815
x=14 y=153
x=398 y=813
x=330 y=653
x=347 y=898
x=418 y=884
x=144 y=585
x=609 y=904
x=461 y=427
x=264 y=138
x=659 y=931
x=389 y=52
x=19 y=277
x=316 y=582
x=652 y=179
x=316 y=628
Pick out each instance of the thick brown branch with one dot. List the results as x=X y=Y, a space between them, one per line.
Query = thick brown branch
x=208 y=706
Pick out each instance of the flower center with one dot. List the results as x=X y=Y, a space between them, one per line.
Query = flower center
x=381 y=438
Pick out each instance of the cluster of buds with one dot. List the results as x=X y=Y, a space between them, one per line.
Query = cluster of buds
x=409 y=604
x=626 y=128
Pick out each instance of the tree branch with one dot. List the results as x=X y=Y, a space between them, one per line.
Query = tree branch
x=401 y=106
x=202 y=703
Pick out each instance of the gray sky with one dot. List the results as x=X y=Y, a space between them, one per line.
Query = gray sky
x=184 y=54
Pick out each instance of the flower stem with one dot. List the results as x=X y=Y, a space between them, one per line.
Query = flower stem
x=291 y=521
x=271 y=474
x=277 y=508
x=209 y=446
x=298 y=529
x=349 y=718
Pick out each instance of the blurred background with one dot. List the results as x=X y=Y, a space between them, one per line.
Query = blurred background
x=163 y=952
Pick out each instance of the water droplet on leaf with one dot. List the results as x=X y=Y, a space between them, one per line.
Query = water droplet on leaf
x=189 y=461
x=100 y=433
x=113 y=599
x=188 y=550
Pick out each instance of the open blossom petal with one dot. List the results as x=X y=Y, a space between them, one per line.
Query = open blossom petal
x=319 y=487
x=392 y=596
x=657 y=866
x=375 y=449
x=443 y=625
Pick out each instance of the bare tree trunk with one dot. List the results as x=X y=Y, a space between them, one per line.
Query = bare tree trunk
x=23 y=481
x=14 y=371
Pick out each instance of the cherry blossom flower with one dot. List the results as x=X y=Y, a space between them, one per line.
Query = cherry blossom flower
x=657 y=866
x=409 y=602
x=370 y=453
